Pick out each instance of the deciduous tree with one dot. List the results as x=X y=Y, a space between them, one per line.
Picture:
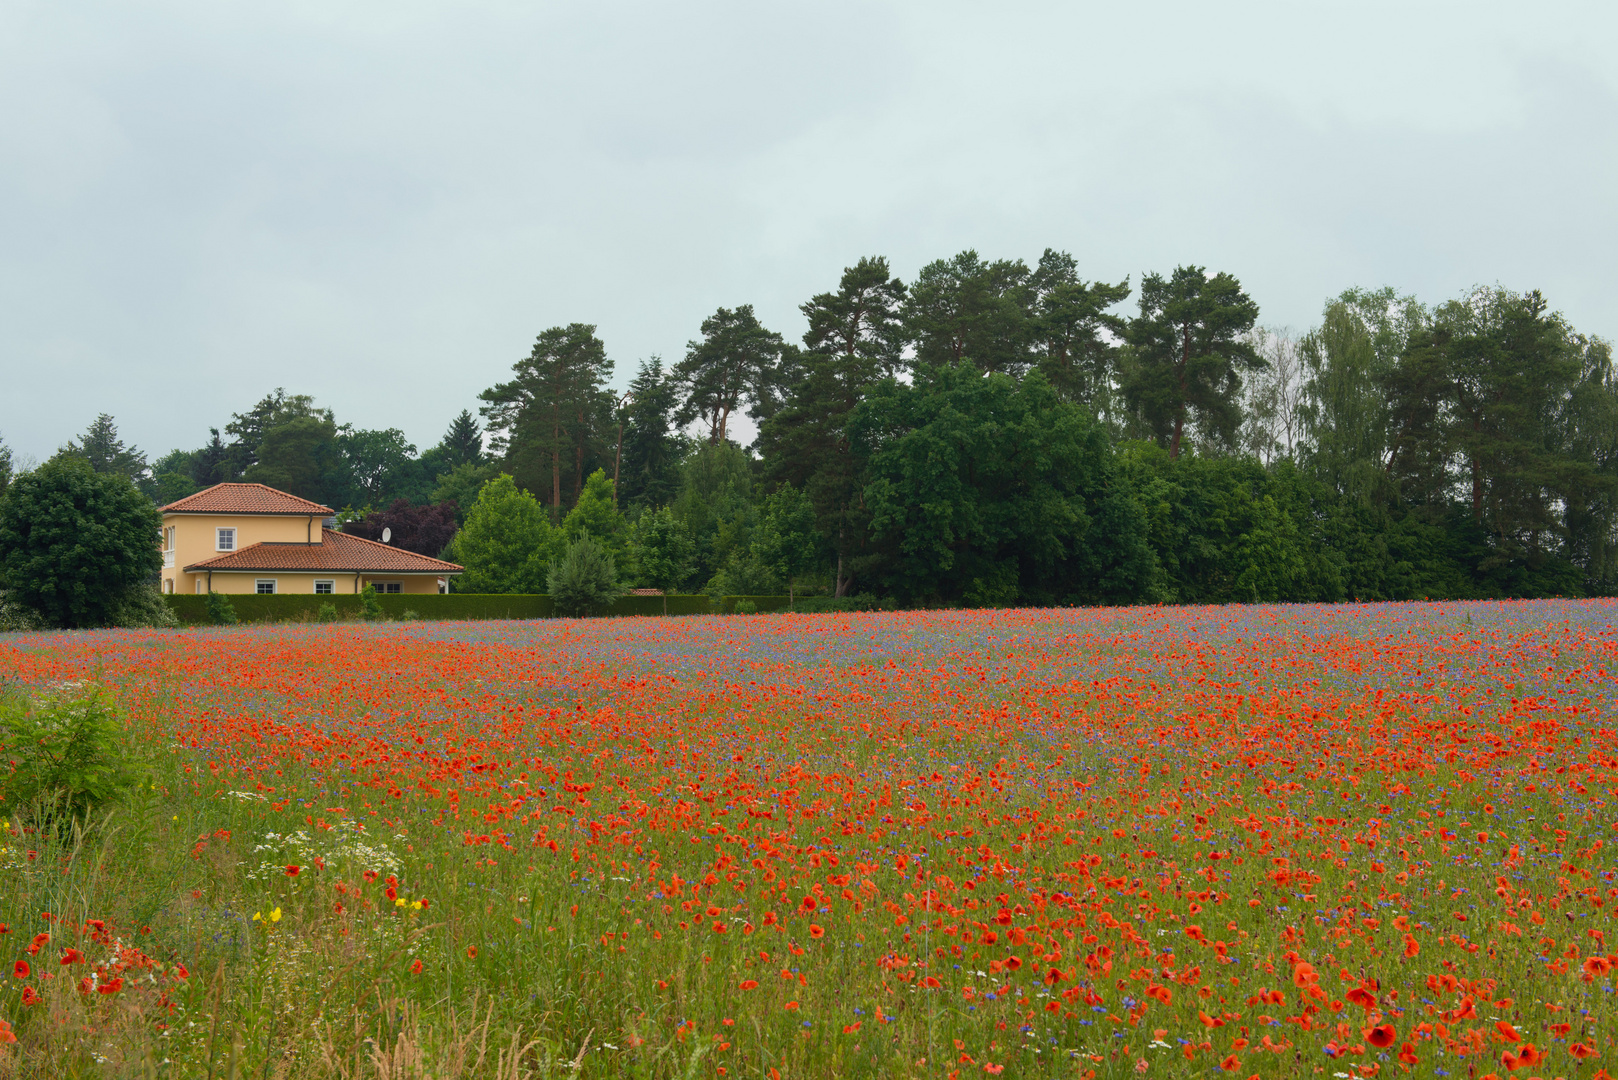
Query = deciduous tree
x=74 y=541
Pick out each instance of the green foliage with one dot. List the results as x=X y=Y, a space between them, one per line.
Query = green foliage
x=506 y=543
x=715 y=505
x=141 y=607
x=596 y=515
x=290 y=607
x=8 y=467
x=555 y=409
x=370 y=607
x=737 y=362
x=786 y=541
x=219 y=609
x=67 y=757
x=1188 y=347
x=750 y=605
x=652 y=447
x=662 y=550
x=15 y=618
x=73 y=542
x=461 y=486
x=326 y=613
x=105 y=452
x=988 y=490
x=301 y=456
x=584 y=580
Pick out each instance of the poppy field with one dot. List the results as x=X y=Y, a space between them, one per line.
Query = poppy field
x=1338 y=841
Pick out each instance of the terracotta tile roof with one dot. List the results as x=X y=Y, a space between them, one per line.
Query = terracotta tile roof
x=337 y=552
x=244 y=499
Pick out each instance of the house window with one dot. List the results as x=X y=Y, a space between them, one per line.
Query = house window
x=265 y=586
x=325 y=588
x=225 y=540
x=199 y=586
x=168 y=538
x=168 y=585
x=385 y=586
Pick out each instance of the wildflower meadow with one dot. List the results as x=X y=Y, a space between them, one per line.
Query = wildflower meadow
x=1292 y=841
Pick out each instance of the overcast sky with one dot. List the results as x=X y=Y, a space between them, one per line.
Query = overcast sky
x=381 y=204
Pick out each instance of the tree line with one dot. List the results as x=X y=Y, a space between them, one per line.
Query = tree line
x=994 y=433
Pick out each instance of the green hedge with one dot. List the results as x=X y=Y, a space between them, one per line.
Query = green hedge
x=727 y=604
x=285 y=607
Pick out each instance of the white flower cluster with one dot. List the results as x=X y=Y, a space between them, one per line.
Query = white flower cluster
x=300 y=849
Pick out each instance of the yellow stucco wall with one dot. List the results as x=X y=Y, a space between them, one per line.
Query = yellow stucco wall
x=235 y=583
x=194 y=540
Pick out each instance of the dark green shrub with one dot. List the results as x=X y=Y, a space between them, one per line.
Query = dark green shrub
x=141 y=607
x=293 y=607
x=73 y=541
x=64 y=756
x=15 y=617
x=734 y=604
x=220 y=610
x=370 y=607
x=409 y=615
x=326 y=613
x=583 y=581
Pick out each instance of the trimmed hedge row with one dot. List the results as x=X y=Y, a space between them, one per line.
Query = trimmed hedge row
x=727 y=604
x=284 y=607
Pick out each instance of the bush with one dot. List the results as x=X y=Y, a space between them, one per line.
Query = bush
x=370 y=607
x=326 y=613
x=583 y=581
x=751 y=605
x=66 y=757
x=220 y=610
x=140 y=608
x=410 y=615
x=15 y=618
x=74 y=541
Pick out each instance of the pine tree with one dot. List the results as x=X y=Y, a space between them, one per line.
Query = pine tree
x=652 y=449
x=965 y=309
x=855 y=339
x=105 y=451
x=737 y=362
x=1074 y=334
x=556 y=405
x=1190 y=346
x=463 y=442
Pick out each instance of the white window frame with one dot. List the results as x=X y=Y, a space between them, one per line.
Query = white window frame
x=199 y=585
x=259 y=583
x=219 y=538
x=331 y=587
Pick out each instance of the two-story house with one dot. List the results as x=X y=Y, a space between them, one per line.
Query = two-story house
x=248 y=538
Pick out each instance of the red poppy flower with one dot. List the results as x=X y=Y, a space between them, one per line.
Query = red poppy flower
x=30 y=996
x=1381 y=1036
x=71 y=955
x=816 y=930
x=111 y=986
x=415 y=967
x=749 y=984
x=20 y=970
x=294 y=871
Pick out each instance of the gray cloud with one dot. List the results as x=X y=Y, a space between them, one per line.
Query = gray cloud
x=383 y=204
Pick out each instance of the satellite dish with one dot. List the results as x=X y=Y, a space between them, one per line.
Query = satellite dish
x=387 y=535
